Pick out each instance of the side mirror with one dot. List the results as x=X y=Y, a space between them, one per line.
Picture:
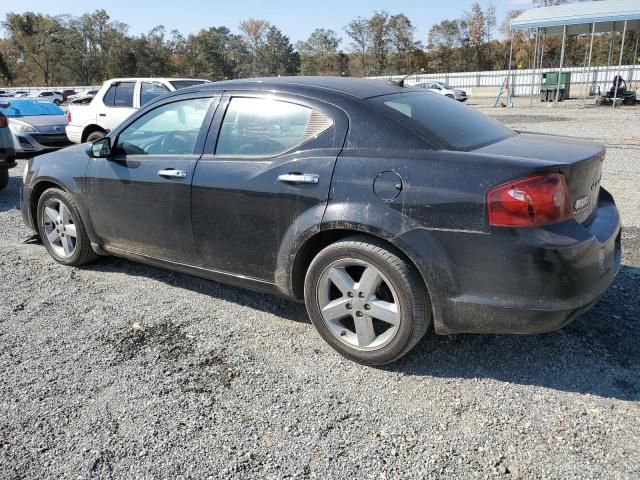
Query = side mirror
x=100 y=148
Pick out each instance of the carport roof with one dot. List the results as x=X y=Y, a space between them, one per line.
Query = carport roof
x=608 y=15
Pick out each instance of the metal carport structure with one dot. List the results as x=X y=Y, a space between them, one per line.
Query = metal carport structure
x=582 y=18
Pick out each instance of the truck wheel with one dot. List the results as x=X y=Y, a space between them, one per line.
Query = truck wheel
x=96 y=135
x=4 y=178
x=366 y=301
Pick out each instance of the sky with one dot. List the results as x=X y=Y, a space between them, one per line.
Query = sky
x=295 y=18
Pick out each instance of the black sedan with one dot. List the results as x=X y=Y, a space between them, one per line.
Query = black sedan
x=386 y=209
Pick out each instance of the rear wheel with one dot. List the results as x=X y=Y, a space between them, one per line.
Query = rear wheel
x=95 y=135
x=61 y=229
x=57 y=102
x=366 y=301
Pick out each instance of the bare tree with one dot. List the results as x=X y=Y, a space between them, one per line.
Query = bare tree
x=254 y=32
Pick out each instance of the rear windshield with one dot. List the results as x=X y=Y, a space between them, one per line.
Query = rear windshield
x=28 y=108
x=178 y=84
x=444 y=120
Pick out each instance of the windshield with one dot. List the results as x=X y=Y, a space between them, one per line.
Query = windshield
x=178 y=84
x=444 y=120
x=28 y=108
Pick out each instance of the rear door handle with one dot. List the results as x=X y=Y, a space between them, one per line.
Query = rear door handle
x=299 y=178
x=172 y=173
x=102 y=114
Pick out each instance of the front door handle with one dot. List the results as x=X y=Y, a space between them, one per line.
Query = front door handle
x=172 y=173
x=299 y=178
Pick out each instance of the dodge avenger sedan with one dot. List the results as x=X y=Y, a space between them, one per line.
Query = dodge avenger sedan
x=387 y=210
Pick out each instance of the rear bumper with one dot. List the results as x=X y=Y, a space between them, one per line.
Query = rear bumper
x=528 y=280
x=74 y=133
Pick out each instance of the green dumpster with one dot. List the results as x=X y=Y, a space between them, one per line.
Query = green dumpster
x=549 y=86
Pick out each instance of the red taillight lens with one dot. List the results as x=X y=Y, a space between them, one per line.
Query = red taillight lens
x=68 y=116
x=4 y=121
x=531 y=202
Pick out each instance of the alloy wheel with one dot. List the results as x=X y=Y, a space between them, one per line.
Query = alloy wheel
x=358 y=304
x=59 y=228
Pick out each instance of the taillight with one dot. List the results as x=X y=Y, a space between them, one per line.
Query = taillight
x=68 y=116
x=531 y=202
x=4 y=121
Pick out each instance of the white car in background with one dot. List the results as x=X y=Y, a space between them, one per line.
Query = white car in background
x=83 y=94
x=35 y=125
x=443 y=89
x=49 y=96
x=91 y=118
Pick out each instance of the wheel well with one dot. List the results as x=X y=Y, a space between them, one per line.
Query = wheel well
x=89 y=130
x=315 y=244
x=36 y=193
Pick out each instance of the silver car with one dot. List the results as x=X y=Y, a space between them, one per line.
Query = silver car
x=35 y=125
x=444 y=89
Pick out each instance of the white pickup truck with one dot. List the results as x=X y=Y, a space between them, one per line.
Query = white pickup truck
x=91 y=118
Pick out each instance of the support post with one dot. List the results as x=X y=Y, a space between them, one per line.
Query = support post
x=635 y=58
x=509 y=83
x=564 y=39
x=593 y=30
x=615 y=90
x=535 y=61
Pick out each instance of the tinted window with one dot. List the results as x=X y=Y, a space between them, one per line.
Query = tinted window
x=178 y=84
x=264 y=128
x=457 y=126
x=149 y=91
x=120 y=95
x=172 y=128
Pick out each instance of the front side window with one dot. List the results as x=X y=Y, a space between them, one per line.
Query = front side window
x=120 y=95
x=151 y=90
x=443 y=121
x=171 y=129
x=262 y=127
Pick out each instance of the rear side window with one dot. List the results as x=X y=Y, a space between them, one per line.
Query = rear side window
x=443 y=120
x=263 y=127
x=151 y=90
x=120 y=95
x=178 y=84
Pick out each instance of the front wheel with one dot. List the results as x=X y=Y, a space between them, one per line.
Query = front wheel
x=61 y=229
x=366 y=301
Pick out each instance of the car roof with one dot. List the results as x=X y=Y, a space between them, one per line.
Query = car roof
x=156 y=79
x=354 y=87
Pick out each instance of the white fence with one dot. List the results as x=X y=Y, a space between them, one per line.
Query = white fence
x=527 y=82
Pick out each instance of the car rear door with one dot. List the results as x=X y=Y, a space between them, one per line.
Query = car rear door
x=265 y=181
x=117 y=104
x=140 y=198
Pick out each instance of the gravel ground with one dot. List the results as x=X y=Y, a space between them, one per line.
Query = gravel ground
x=119 y=370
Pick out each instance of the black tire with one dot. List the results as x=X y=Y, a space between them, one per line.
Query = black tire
x=4 y=178
x=414 y=305
x=83 y=252
x=95 y=135
x=57 y=102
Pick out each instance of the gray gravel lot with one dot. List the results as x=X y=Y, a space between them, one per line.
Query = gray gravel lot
x=119 y=370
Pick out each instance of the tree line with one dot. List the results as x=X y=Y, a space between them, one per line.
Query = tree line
x=40 y=49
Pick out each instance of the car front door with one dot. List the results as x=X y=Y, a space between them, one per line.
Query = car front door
x=117 y=104
x=140 y=197
x=266 y=181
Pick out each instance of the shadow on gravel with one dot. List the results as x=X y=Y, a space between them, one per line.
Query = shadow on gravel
x=598 y=354
x=281 y=307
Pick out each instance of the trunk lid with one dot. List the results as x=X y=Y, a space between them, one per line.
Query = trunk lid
x=578 y=159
